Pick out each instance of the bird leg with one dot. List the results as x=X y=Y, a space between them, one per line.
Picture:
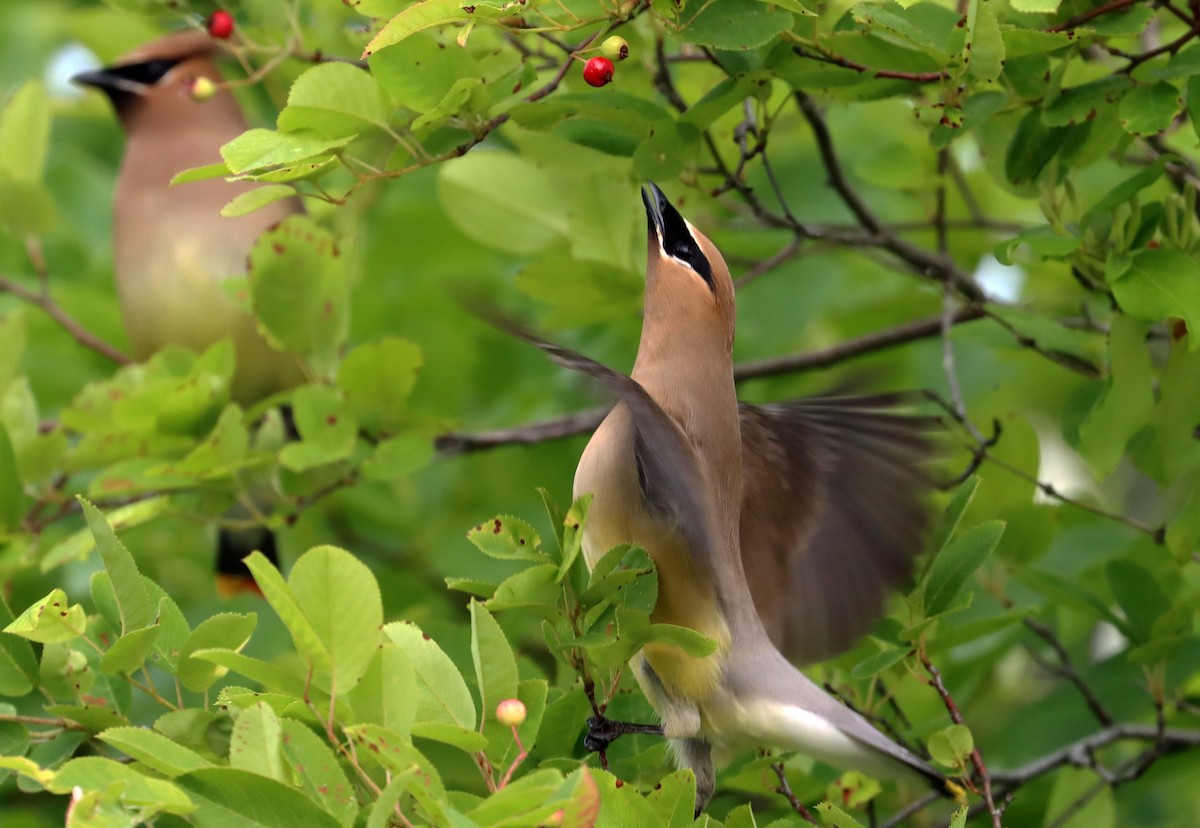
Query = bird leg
x=603 y=731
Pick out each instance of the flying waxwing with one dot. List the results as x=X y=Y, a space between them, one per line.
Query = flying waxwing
x=172 y=247
x=776 y=530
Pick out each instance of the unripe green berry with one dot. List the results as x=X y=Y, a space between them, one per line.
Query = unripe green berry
x=615 y=48
x=203 y=88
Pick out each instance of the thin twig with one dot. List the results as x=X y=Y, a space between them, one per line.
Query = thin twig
x=786 y=790
x=1066 y=669
x=981 y=772
x=43 y=302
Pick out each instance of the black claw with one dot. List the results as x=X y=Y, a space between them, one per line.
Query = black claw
x=602 y=732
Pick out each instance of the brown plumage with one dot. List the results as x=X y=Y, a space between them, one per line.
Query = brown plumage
x=773 y=528
x=172 y=247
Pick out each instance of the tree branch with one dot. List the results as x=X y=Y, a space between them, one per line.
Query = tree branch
x=65 y=321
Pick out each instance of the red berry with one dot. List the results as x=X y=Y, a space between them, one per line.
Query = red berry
x=220 y=24
x=598 y=71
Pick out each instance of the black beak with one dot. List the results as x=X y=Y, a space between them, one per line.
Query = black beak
x=656 y=203
x=109 y=82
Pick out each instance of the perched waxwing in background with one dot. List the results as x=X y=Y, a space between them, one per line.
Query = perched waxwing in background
x=774 y=529
x=172 y=246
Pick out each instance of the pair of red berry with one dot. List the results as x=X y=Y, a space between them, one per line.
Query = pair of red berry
x=598 y=71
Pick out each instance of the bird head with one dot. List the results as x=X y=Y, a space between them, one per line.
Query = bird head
x=686 y=276
x=163 y=73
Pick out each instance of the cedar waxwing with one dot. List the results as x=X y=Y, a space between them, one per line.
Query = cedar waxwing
x=172 y=247
x=774 y=529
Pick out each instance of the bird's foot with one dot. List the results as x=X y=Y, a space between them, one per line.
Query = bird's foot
x=602 y=732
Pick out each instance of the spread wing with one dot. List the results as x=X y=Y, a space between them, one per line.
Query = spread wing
x=832 y=515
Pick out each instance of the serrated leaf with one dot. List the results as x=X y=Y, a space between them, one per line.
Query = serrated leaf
x=313 y=761
x=51 y=620
x=229 y=796
x=154 y=750
x=387 y=693
x=507 y=538
x=736 y=25
x=256 y=740
x=298 y=289
x=263 y=149
x=226 y=630
x=442 y=695
x=18 y=667
x=334 y=100
x=495 y=666
x=94 y=773
x=309 y=645
x=340 y=598
x=129 y=652
x=251 y=200
x=1159 y=284
x=422 y=15
x=1148 y=110
x=134 y=603
x=78 y=545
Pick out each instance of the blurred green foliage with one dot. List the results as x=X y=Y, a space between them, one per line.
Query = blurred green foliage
x=1028 y=165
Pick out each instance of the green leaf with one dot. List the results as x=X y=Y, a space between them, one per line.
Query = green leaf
x=503 y=201
x=507 y=538
x=264 y=149
x=1147 y=110
x=228 y=796
x=11 y=507
x=18 y=666
x=955 y=563
x=952 y=747
x=154 y=750
x=279 y=595
x=77 y=546
x=387 y=693
x=1081 y=103
x=256 y=741
x=986 y=54
x=876 y=664
x=51 y=620
x=537 y=586
x=422 y=15
x=674 y=799
x=334 y=100
x=495 y=666
x=736 y=24
x=1124 y=407
x=226 y=630
x=830 y=814
x=376 y=379
x=1138 y=594
x=251 y=200
x=1162 y=283
x=952 y=515
x=398 y=457
x=129 y=652
x=442 y=695
x=94 y=773
x=399 y=757
x=25 y=133
x=327 y=430
x=419 y=71
x=340 y=598
x=317 y=767
x=298 y=289
x=137 y=611
x=1032 y=146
